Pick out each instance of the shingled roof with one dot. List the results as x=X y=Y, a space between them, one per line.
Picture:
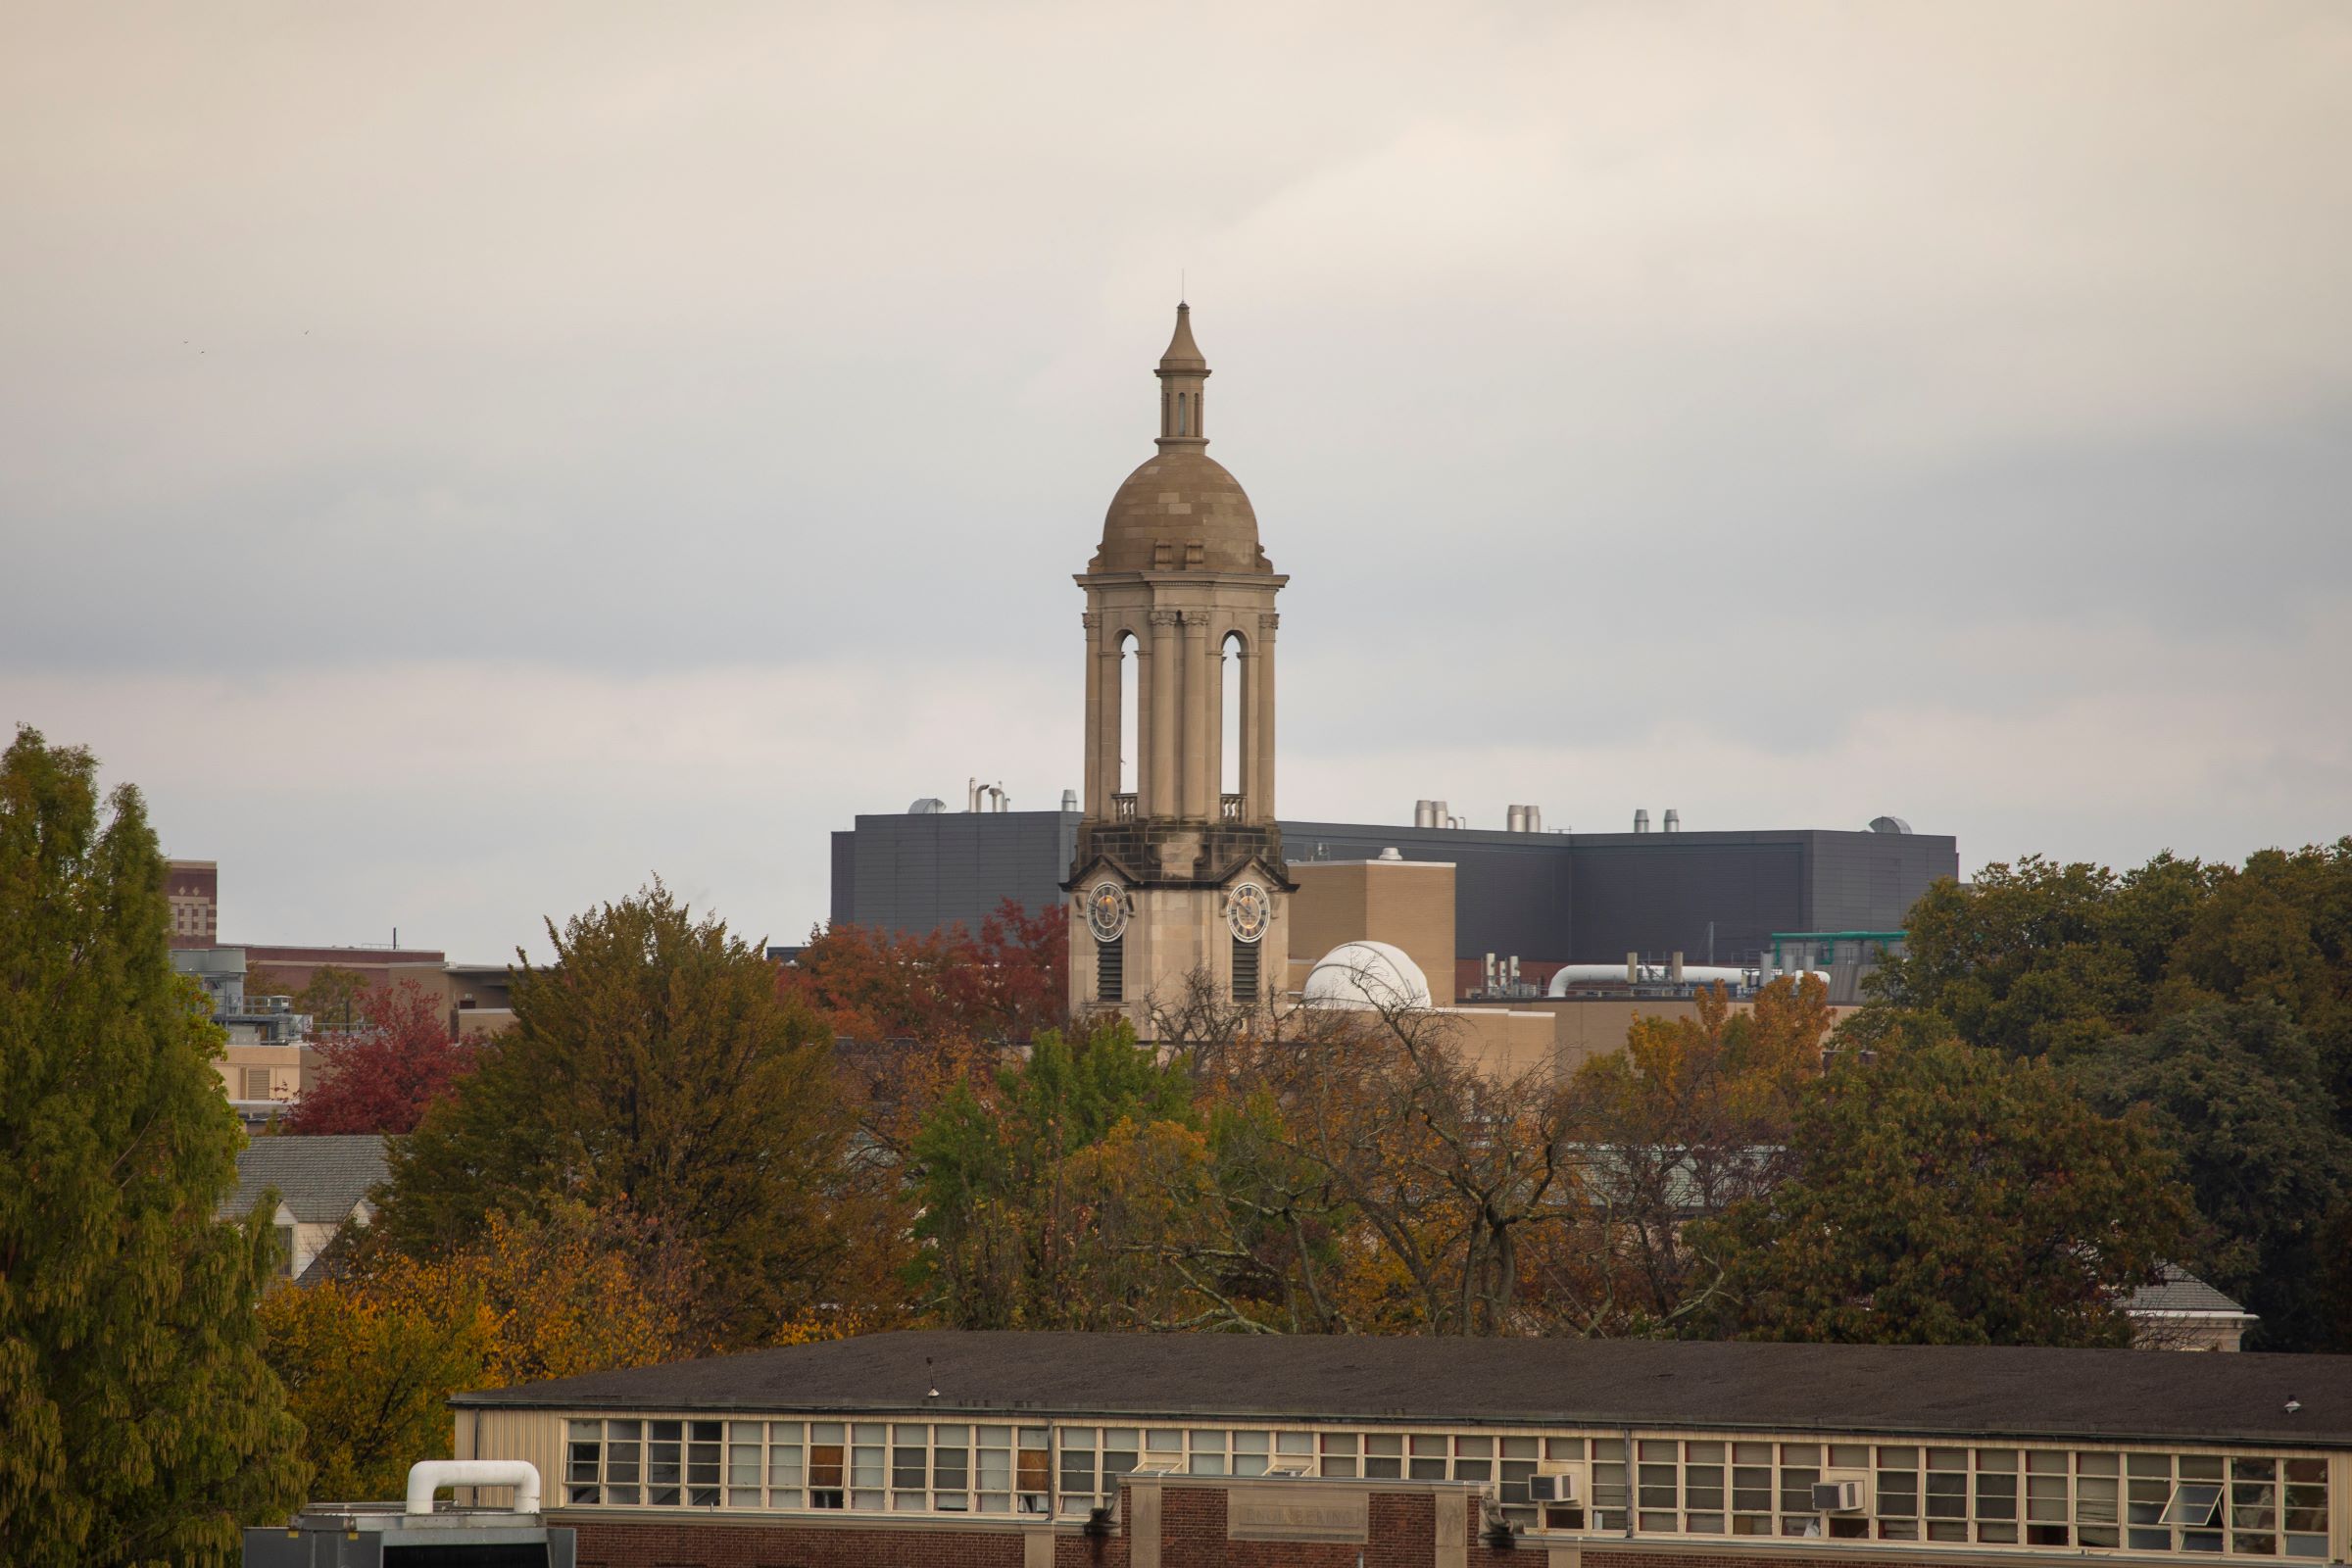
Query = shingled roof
x=2180 y=1291
x=1952 y=1391
x=321 y=1180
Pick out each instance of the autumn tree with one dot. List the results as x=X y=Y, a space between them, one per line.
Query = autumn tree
x=1037 y=1193
x=911 y=1016
x=372 y=1356
x=1693 y=1115
x=139 y=1422
x=653 y=1065
x=383 y=1076
x=1944 y=1194
x=1445 y=1176
x=2040 y=958
x=2237 y=1094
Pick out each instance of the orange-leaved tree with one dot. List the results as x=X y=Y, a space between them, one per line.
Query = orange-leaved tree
x=370 y=1357
x=1693 y=1115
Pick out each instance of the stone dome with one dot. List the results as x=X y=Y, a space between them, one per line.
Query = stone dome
x=1180 y=497
x=1367 y=974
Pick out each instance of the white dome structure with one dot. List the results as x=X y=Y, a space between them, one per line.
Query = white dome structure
x=1366 y=976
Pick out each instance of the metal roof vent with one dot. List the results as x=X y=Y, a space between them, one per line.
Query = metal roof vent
x=1889 y=825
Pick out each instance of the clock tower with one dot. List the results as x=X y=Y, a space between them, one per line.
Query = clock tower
x=1178 y=875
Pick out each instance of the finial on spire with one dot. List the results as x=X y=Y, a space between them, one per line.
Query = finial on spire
x=1181 y=373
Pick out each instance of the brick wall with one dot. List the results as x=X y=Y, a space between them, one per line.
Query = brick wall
x=1404 y=1526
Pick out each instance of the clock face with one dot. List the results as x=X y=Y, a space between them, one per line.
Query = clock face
x=1247 y=909
x=1106 y=911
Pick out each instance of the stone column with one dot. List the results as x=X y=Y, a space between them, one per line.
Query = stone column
x=1161 y=754
x=1262 y=759
x=1097 y=795
x=1199 y=804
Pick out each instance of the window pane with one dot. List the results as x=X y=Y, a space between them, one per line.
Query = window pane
x=910 y=1465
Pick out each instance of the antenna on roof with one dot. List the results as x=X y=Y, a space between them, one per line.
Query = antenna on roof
x=933 y=1381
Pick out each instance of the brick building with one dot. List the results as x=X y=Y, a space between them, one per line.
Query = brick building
x=1166 y=1451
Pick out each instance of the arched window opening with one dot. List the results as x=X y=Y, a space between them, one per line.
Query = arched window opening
x=1183 y=411
x=1130 y=691
x=1232 y=737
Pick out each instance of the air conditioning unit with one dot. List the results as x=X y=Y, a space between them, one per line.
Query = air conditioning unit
x=1552 y=1489
x=1838 y=1496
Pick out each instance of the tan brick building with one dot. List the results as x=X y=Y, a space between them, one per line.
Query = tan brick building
x=1169 y=1450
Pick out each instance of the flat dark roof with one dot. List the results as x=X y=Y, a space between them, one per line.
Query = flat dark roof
x=1946 y=1391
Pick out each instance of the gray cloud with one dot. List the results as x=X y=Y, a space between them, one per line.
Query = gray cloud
x=1803 y=411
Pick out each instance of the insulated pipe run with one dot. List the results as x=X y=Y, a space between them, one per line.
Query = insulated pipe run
x=521 y=1474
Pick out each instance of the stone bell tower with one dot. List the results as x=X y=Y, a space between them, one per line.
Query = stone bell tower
x=1179 y=870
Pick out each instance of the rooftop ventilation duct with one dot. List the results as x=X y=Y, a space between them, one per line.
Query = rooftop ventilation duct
x=1674 y=820
x=427 y=1478
x=1640 y=818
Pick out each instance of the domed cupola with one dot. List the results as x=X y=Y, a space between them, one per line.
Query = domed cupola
x=1177 y=879
x=1181 y=511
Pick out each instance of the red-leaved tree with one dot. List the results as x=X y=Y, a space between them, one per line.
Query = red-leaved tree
x=382 y=1079
x=910 y=1014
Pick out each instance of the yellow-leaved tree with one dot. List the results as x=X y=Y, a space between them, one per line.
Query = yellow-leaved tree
x=369 y=1359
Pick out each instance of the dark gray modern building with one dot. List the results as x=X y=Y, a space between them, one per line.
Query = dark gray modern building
x=1573 y=898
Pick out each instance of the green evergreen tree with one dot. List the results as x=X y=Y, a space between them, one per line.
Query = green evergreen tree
x=138 y=1421
x=655 y=1066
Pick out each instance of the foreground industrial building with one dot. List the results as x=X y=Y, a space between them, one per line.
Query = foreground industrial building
x=1167 y=1451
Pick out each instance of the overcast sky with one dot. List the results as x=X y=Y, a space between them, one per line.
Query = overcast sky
x=461 y=460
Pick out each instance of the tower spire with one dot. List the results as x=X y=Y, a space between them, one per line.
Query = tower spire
x=1183 y=377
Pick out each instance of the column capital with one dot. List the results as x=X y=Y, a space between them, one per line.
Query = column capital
x=1165 y=618
x=1092 y=620
x=1193 y=618
x=1268 y=622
